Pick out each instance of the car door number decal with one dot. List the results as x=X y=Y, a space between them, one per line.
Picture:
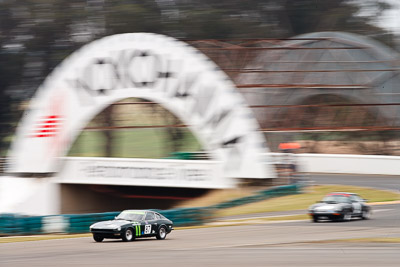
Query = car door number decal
x=147 y=229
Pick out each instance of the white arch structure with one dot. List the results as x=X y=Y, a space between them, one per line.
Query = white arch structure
x=149 y=66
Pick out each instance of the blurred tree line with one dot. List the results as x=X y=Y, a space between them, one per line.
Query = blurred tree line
x=36 y=35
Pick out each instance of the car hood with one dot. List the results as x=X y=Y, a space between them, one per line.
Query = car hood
x=112 y=224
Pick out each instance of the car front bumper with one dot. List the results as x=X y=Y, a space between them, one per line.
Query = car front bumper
x=327 y=215
x=110 y=233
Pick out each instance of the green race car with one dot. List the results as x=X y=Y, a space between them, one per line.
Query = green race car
x=131 y=224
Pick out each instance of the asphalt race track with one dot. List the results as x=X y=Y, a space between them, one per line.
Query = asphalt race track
x=298 y=243
x=283 y=244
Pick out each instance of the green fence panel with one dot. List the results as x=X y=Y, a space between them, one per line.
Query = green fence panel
x=80 y=223
x=188 y=216
x=32 y=225
x=14 y=224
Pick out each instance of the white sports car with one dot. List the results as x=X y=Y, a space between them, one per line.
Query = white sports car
x=340 y=206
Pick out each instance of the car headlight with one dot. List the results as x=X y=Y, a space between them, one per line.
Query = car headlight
x=115 y=227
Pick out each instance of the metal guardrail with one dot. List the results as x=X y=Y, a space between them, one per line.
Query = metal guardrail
x=15 y=224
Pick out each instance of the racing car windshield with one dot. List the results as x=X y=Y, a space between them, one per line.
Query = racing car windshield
x=335 y=199
x=130 y=216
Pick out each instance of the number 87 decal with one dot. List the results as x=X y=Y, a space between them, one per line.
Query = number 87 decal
x=147 y=229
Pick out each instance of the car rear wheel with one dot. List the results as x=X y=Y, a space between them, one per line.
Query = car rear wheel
x=127 y=235
x=315 y=219
x=98 y=238
x=162 y=233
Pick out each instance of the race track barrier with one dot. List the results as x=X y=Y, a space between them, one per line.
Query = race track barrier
x=14 y=224
x=341 y=163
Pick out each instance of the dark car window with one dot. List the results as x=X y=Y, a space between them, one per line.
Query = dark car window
x=149 y=216
x=130 y=215
x=356 y=198
x=336 y=199
x=162 y=217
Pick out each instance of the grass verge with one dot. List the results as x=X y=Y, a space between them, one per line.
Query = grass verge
x=304 y=200
x=262 y=220
x=215 y=197
x=12 y=239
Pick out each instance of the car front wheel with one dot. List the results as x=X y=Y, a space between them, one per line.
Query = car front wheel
x=127 y=235
x=162 y=233
x=366 y=214
x=98 y=238
x=346 y=217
